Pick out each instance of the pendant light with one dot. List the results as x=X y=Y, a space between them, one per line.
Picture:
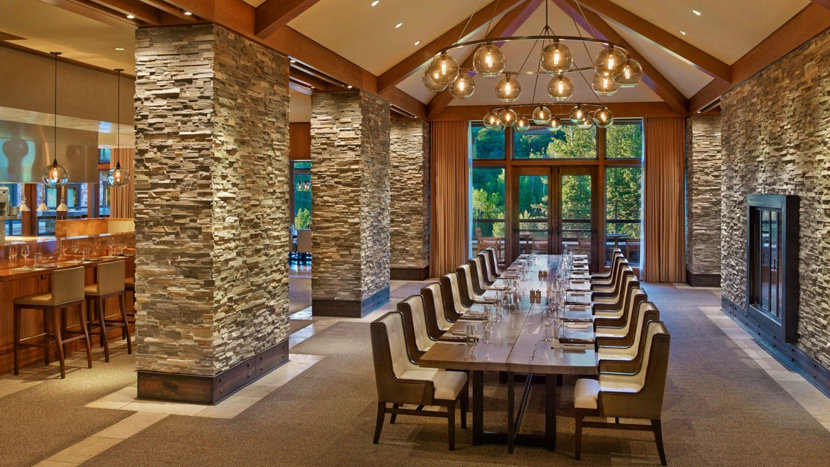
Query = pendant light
x=54 y=174
x=23 y=206
x=118 y=177
x=42 y=206
x=62 y=208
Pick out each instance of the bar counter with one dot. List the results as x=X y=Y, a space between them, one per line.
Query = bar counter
x=19 y=279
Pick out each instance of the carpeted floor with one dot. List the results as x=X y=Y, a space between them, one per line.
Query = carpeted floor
x=295 y=325
x=720 y=409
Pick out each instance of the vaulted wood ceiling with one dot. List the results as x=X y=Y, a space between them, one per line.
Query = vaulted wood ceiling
x=688 y=58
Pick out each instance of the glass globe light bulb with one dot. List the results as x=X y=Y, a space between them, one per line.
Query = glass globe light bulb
x=586 y=122
x=444 y=69
x=554 y=124
x=463 y=87
x=522 y=123
x=118 y=177
x=54 y=175
x=508 y=89
x=604 y=85
x=603 y=117
x=430 y=79
x=560 y=88
x=578 y=114
x=491 y=121
x=610 y=61
x=488 y=61
x=508 y=117
x=556 y=58
x=630 y=74
x=541 y=115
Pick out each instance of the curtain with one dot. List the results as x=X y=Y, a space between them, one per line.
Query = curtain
x=449 y=175
x=664 y=220
x=121 y=199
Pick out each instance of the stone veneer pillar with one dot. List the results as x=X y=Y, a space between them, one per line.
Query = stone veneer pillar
x=409 y=199
x=703 y=199
x=350 y=206
x=211 y=212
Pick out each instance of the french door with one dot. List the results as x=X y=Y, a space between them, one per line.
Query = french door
x=553 y=208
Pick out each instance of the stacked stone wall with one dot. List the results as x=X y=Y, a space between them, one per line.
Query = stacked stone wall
x=409 y=194
x=703 y=194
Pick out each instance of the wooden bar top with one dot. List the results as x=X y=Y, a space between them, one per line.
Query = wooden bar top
x=23 y=272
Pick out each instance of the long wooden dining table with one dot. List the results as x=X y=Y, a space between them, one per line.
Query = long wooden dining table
x=516 y=348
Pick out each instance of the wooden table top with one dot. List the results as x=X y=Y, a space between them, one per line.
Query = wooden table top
x=21 y=272
x=517 y=342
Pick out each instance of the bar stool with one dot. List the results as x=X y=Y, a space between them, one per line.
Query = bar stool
x=110 y=284
x=67 y=291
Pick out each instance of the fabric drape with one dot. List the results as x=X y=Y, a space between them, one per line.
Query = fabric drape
x=122 y=199
x=449 y=167
x=664 y=221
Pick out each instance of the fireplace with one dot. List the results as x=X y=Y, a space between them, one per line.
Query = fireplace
x=772 y=264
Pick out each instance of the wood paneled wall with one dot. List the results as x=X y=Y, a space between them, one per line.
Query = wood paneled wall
x=299 y=140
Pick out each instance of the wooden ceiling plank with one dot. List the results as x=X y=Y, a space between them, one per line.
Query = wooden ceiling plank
x=824 y=3
x=171 y=10
x=407 y=66
x=805 y=25
x=141 y=11
x=274 y=14
x=506 y=26
x=700 y=59
x=406 y=102
x=92 y=11
x=651 y=77
x=619 y=109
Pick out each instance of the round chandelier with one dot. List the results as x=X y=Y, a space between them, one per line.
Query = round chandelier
x=612 y=67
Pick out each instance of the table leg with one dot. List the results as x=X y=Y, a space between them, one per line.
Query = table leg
x=511 y=435
x=550 y=411
x=478 y=407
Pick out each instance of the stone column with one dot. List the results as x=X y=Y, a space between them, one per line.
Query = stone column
x=350 y=205
x=703 y=200
x=211 y=212
x=409 y=199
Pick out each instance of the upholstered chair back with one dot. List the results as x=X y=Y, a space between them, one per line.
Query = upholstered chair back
x=68 y=285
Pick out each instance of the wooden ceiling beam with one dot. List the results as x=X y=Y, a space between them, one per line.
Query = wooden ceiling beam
x=314 y=82
x=274 y=14
x=171 y=10
x=140 y=11
x=619 y=109
x=805 y=25
x=92 y=11
x=506 y=26
x=407 y=66
x=700 y=59
x=824 y=3
x=651 y=77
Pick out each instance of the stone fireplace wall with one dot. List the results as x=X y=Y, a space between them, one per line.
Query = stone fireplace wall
x=409 y=199
x=703 y=199
x=776 y=139
x=211 y=200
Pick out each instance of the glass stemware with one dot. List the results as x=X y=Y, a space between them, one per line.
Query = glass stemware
x=75 y=248
x=24 y=252
x=13 y=255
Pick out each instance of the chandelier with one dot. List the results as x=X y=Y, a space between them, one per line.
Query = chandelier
x=612 y=68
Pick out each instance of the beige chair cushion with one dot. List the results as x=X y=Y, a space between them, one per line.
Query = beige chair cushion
x=438 y=306
x=111 y=279
x=471 y=294
x=67 y=287
x=605 y=331
x=397 y=345
x=456 y=293
x=586 y=391
x=421 y=374
x=419 y=322
x=627 y=353
x=448 y=384
x=38 y=300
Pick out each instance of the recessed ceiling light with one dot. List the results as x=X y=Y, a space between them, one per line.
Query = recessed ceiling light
x=349 y=86
x=417 y=42
x=130 y=16
x=375 y=3
x=187 y=13
x=120 y=49
x=398 y=25
x=696 y=12
x=292 y=61
x=683 y=32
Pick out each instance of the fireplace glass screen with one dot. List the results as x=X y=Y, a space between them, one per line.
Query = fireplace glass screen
x=765 y=253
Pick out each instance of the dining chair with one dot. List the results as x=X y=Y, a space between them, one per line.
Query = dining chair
x=605 y=277
x=634 y=396
x=603 y=283
x=399 y=381
x=612 y=312
x=451 y=291
x=486 y=265
x=67 y=291
x=419 y=339
x=477 y=263
x=110 y=283
x=494 y=262
x=621 y=355
x=434 y=307
x=469 y=296
x=606 y=291
x=621 y=328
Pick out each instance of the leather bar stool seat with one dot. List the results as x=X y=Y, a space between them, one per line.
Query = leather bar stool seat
x=110 y=284
x=67 y=292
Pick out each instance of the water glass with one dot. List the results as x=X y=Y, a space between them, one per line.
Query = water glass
x=38 y=259
x=470 y=335
x=24 y=252
x=13 y=255
x=86 y=252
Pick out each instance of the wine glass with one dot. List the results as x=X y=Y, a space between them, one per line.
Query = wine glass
x=64 y=249
x=86 y=254
x=24 y=252
x=13 y=255
x=75 y=248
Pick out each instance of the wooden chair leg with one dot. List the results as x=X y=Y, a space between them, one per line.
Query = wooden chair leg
x=451 y=424
x=379 y=422
x=122 y=304
x=45 y=337
x=56 y=317
x=578 y=436
x=465 y=405
x=658 y=437
x=103 y=323
x=82 y=313
x=394 y=417
x=16 y=339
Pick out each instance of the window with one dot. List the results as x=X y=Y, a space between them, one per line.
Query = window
x=624 y=140
x=103 y=194
x=104 y=155
x=486 y=144
x=487 y=204
x=14 y=226
x=623 y=211
x=568 y=142
x=302 y=194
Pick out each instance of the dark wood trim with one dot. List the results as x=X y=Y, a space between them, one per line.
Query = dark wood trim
x=28 y=220
x=274 y=14
x=788 y=354
x=702 y=280
x=210 y=389
x=349 y=308
x=619 y=109
x=406 y=274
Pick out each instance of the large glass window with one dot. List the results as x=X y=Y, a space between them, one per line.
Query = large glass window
x=486 y=144
x=623 y=211
x=14 y=226
x=302 y=194
x=487 y=208
x=568 y=142
x=624 y=140
x=104 y=191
